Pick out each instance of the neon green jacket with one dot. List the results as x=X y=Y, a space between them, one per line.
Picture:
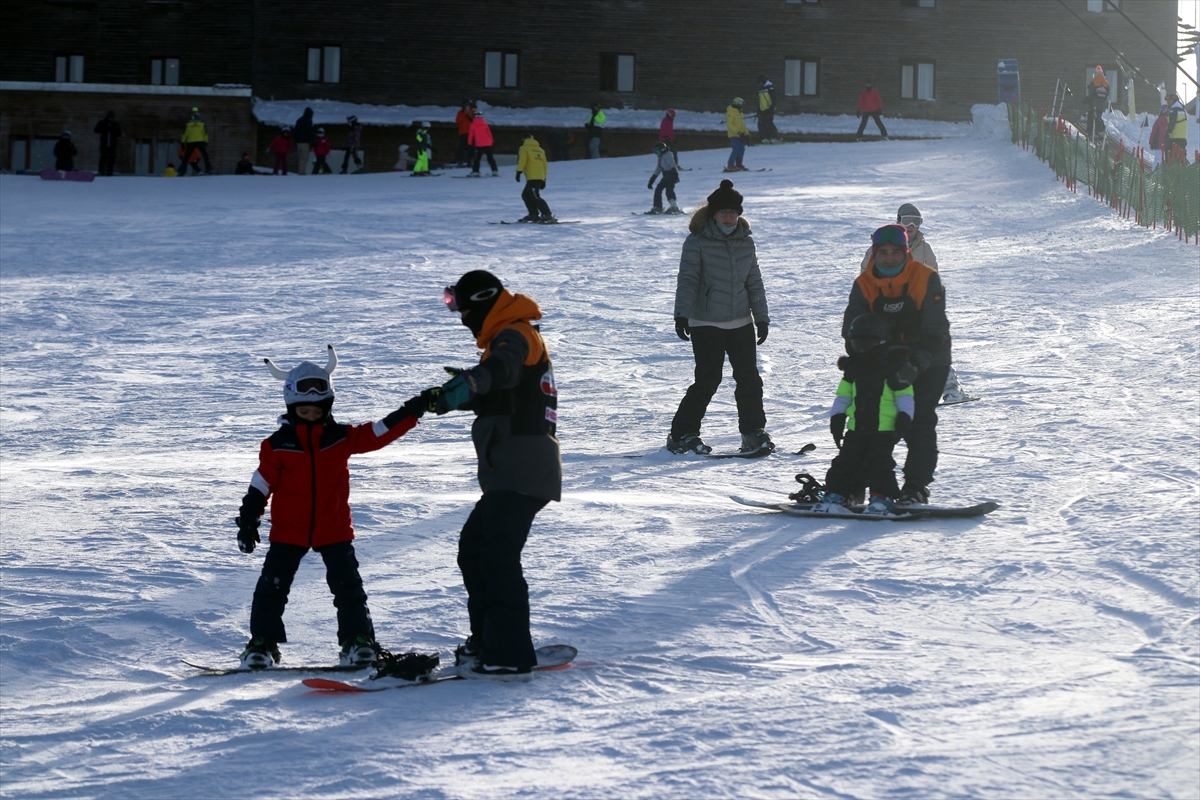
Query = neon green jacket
x=194 y=132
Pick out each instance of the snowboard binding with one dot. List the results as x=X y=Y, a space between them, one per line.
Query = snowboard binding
x=406 y=666
x=811 y=489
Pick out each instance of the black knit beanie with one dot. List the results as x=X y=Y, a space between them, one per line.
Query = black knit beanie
x=724 y=197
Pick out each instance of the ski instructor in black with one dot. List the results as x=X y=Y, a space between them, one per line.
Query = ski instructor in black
x=513 y=396
x=909 y=295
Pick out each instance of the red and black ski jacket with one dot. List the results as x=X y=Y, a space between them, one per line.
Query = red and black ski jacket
x=305 y=470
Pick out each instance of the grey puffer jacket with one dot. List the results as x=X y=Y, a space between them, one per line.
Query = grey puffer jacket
x=719 y=280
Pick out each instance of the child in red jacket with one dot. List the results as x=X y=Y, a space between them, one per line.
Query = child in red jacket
x=282 y=146
x=321 y=148
x=304 y=469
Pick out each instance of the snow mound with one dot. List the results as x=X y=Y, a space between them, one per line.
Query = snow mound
x=990 y=122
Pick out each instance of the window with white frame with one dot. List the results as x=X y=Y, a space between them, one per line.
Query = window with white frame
x=616 y=72
x=164 y=71
x=917 y=80
x=324 y=64
x=68 y=69
x=801 y=77
x=500 y=69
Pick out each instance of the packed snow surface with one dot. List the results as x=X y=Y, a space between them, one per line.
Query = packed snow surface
x=1051 y=649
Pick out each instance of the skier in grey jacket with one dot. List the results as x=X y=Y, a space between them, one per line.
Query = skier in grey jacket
x=719 y=302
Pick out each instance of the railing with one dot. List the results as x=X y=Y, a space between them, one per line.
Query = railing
x=1167 y=194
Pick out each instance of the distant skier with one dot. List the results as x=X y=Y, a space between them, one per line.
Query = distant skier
x=245 y=166
x=353 y=142
x=321 y=149
x=194 y=138
x=480 y=138
x=1097 y=100
x=514 y=399
x=870 y=106
x=909 y=295
x=1175 y=145
x=719 y=303
x=65 y=152
x=531 y=161
x=666 y=133
x=302 y=135
x=877 y=413
x=739 y=135
x=109 y=130
x=462 y=119
x=424 y=149
x=767 y=132
x=282 y=146
x=304 y=469
x=670 y=176
x=595 y=130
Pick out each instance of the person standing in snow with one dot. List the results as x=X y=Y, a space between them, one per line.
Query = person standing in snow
x=321 y=149
x=877 y=415
x=870 y=105
x=194 y=138
x=1175 y=144
x=666 y=133
x=670 y=176
x=304 y=469
x=595 y=130
x=767 y=132
x=353 y=142
x=739 y=134
x=719 y=303
x=909 y=295
x=480 y=139
x=302 y=135
x=531 y=161
x=109 y=130
x=1097 y=100
x=65 y=152
x=515 y=402
x=424 y=149
x=282 y=147
x=463 y=120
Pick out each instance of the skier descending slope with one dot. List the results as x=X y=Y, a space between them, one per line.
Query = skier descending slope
x=670 y=176
x=304 y=469
x=513 y=396
x=909 y=295
x=531 y=161
x=719 y=300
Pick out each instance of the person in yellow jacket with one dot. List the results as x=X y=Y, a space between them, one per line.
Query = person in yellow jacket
x=739 y=134
x=1175 y=145
x=767 y=132
x=531 y=160
x=194 y=138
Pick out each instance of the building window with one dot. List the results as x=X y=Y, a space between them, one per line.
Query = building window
x=324 y=64
x=616 y=72
x=68 y=69
x=917 y=3
x=1100 y=6
x=801 y=77
x=500 y=68
x=916 y=81
x=164 y=71
x=797 y=2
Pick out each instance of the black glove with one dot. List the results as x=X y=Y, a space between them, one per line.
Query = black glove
x=650 y=185
x=247 y=534
x=518 y=177
x=903 y=423
x=903 y=378
x=762 y=331
x=837 y=426
x=415 y=407
x=681 y=328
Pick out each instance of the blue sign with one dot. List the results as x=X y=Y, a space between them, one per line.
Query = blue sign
x=1009 y=80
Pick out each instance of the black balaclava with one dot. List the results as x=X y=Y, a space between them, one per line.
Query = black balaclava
x=476 y=293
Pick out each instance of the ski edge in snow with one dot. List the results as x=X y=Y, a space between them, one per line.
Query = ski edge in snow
x=207 y=670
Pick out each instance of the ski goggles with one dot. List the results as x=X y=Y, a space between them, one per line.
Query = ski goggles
x=913 y=220
x=450 y=298
x=312 y=386
x=890 y=234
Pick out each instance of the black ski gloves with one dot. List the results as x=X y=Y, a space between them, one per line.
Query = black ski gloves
x=837 y=426
x=762 y=331
x=903 y=377
x=253 y=505
x=416 y=406
x=650 y=185
x=518 y=177
x=903 y=423
x=681 y=328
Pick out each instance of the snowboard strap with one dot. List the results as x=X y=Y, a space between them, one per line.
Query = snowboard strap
x=811 y=489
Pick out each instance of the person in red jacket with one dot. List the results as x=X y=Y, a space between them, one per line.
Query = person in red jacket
x=480 y=138
x=304 y=469
x=321 y=149
x=870 y=104
x=282 y=146
x=463 y=120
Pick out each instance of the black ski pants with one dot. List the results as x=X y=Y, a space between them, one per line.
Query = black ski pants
x=480 y=152
x=533 y=199
x=862 y=126
x=341 y=573
x=489 y=556
x=463 y=156
x=922 y=457
x=864 y=460
x=108 y=158
x=192 y=147
x=667 y=184
x=351 y=152
x=710 y=346
x=766 y=124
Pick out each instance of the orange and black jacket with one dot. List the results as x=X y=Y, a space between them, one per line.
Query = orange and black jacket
x=914 y=304
x=305 y=470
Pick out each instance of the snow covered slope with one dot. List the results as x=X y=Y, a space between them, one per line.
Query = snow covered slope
x=1051 y=649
